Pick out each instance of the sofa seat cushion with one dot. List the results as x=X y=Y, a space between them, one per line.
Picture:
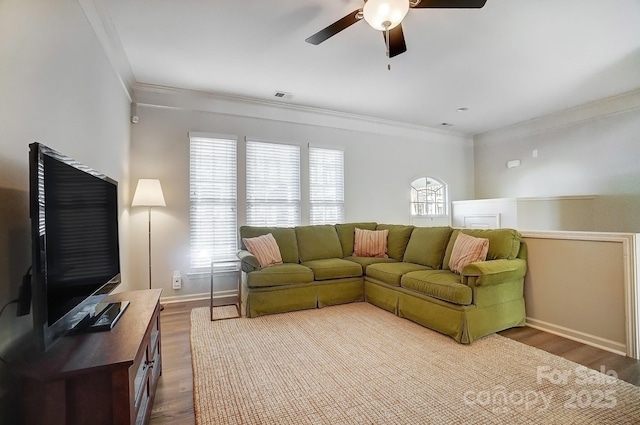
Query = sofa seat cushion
x=333 y=268
x=442 y=284
x=279 y=275
x=367 y=261
x=391 y=273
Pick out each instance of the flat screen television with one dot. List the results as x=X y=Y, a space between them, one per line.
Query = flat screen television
x=75 y=248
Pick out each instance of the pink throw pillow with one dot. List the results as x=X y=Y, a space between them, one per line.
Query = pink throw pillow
x=467 y=250
x=265 y=248
x=370 y=243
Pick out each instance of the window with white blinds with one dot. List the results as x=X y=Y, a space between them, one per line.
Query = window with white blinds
x=213 y=183
x=273 y=184
x=326 y=185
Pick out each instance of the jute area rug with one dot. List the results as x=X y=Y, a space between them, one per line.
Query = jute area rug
x=358 y=364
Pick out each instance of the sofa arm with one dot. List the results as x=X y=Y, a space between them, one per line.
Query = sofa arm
x=494 y=272
x=248 y=261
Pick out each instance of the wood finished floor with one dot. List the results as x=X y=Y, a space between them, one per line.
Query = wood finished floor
x=174 y=397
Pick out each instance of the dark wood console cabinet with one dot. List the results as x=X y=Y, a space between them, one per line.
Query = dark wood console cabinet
x=99 y=378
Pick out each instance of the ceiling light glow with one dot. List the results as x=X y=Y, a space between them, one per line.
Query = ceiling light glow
x=385 y=14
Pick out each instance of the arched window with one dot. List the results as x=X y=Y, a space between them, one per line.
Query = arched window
x=428 y=197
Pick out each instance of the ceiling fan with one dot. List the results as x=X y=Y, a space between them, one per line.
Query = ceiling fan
x=386 y=16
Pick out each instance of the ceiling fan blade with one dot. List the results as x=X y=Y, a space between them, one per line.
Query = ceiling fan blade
x=450 y=4
x=396 y=41
x=335 y=28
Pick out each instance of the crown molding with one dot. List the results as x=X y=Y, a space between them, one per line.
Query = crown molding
x=107 y=35
x=175 y=98
x=613 y=105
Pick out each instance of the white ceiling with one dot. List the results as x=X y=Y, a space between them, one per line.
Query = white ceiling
x=511 y=61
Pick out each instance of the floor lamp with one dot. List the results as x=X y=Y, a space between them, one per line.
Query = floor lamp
x=148 y=194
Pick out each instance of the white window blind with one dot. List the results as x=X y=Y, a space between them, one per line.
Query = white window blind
x=273 y=184
x=213 y=224
x=326 y=185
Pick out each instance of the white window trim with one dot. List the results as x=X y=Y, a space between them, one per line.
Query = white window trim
x=446 y=203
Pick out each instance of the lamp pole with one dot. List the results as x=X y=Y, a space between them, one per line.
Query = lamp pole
x=149 y=222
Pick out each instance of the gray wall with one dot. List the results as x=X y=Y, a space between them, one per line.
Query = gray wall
x=378 y=170
x=591 y=150
x=57 y=87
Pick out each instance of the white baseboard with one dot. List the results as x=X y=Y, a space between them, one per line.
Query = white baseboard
x=585 y=338
x=198 y=297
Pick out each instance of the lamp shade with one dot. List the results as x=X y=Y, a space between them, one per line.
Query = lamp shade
x=385 y=14
x=148 y=194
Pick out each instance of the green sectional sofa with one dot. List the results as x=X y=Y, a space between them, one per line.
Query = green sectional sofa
x=415 y=282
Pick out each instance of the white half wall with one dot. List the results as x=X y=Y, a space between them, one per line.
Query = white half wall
x=381 y=160
x=568 y=213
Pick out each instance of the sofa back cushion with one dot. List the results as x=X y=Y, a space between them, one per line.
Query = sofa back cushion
x=503 y=243
x=284 y=236
x=427 y=246
x=318 y=242
x=398 y=239
x=346 y=232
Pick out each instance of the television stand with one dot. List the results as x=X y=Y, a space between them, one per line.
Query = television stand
x=98 y=377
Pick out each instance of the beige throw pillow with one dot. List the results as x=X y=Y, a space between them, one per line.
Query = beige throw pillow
x=265 y=248
x=370 y=243
x=467 y=250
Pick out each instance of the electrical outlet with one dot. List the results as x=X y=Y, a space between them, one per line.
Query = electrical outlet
x=177 y=280
x=513 y=163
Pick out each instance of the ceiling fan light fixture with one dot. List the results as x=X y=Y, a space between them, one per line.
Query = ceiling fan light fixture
x=385 y=14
